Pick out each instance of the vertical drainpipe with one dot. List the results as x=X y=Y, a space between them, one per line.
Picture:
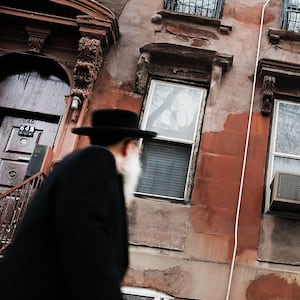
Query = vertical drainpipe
x=245 y=154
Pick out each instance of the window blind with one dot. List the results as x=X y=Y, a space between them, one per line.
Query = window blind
x=165 y=167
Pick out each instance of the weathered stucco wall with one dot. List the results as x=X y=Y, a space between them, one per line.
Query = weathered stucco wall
x=186 y=250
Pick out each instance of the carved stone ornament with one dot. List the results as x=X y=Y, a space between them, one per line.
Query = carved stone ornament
x=278 y=78
x=36 y=39
x=89 y=61
x=268 y=94
x=142 y=74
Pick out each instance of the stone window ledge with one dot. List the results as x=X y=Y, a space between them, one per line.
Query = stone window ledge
x=275 y=35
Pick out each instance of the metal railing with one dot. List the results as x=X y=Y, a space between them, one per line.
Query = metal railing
x=204 y=8
x=13 y=205
x=290 y=16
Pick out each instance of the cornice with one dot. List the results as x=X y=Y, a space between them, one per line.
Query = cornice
x=93 y=20
x=177 y=62
x=33 y=15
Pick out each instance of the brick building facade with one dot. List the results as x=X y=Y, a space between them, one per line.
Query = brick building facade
x=216 y=214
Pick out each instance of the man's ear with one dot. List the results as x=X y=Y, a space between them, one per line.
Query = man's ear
x=126 y=147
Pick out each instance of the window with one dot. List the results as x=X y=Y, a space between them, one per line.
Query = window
x=291 y=15
x=284 y=150
x=204 y=8
x=172 y=110
x=135 y=293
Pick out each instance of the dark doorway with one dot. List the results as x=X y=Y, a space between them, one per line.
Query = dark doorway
x=32 y=91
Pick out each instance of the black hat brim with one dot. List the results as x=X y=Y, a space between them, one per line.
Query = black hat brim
x=127 y=132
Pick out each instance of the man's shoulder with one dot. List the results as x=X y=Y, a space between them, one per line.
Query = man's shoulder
x=92 y=149
x=86 y=156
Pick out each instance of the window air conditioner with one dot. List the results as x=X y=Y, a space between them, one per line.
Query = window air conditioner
x=285 y=192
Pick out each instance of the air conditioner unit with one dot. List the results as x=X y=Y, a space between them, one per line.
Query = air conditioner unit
x=285 y=192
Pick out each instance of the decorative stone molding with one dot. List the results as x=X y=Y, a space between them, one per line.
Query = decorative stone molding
x=278 y=77
x=216 y=76
x=268 y=94
x=36 y=39
x=88 y=18
x=106 y=29
x=26 y=30
x=179 y=63
x=223 y=60
x=89 y=61
x=142 y=74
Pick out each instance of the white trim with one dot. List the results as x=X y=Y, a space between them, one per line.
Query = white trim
x=272 y=153
x=137 y=291
x=191 y=142
x=271 y=156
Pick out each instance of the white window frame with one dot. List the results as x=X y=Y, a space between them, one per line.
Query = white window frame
x=272 y=153
x=194 y=143
x=136 y=291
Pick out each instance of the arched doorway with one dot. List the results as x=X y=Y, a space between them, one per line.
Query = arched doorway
x=32 y=91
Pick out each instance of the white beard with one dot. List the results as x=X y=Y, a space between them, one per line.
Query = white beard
x=131 y=171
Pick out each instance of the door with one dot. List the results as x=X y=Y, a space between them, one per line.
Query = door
x=18 y=137
x=32 y=93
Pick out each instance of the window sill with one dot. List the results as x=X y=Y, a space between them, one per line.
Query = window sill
x=275 y=35
x=158 y=198
x=195 y=19
x=283 y=214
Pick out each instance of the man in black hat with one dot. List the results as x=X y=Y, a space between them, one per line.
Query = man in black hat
x=73 y=240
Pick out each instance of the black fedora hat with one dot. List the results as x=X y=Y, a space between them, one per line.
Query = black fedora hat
x=105 y=122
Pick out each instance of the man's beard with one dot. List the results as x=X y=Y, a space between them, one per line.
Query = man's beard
x=131 y=172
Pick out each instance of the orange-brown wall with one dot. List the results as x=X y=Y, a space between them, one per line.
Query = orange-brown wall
x=185 y=250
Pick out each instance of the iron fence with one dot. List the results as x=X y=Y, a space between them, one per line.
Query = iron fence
x=13 y=204
x=204 y=8
x=290 y=17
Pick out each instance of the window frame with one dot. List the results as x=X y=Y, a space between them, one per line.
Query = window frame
x=168 y=5
x=288 y=8
x=271 y=150
x=194 y=143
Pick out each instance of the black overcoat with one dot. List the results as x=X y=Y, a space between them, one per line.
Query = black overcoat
x=73 y=241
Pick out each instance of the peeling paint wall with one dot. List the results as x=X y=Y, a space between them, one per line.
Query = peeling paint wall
x=286 y=287
x=185 y=250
